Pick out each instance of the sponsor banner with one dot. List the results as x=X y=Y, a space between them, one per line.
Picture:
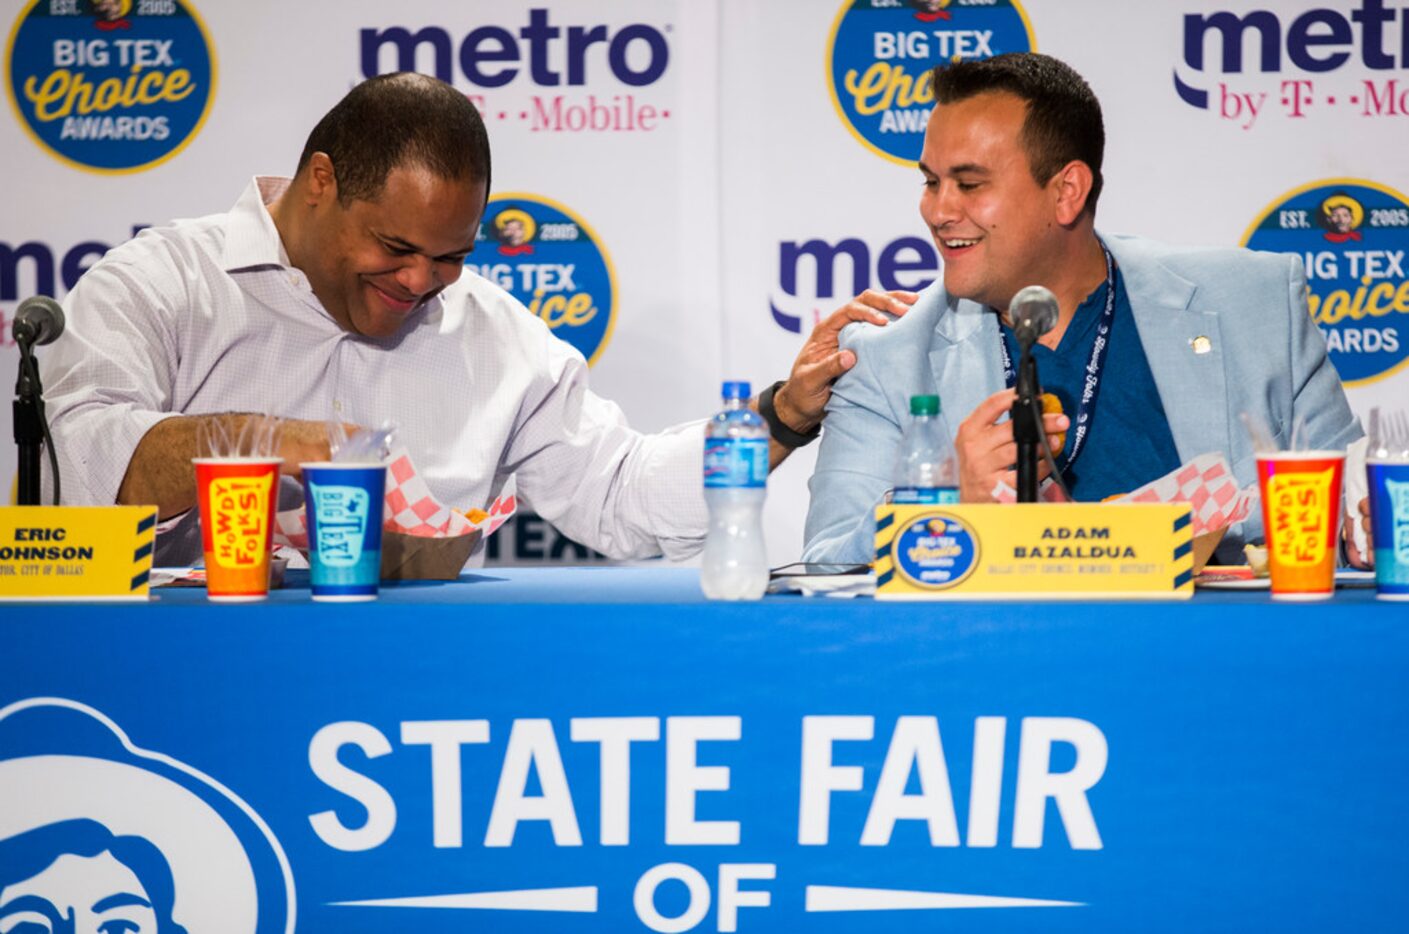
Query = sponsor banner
x=34 y=267
x=529 y=539
x=111 y=85
x=459 y=762
x=1353 y=236
x=545 y=70
x=816 y=276
x=547 y=257
x=881 y=53
x=1254 y=66
x=697 y=144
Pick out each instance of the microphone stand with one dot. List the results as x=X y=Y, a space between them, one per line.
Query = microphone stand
x=28 y=413
x=1027 y=428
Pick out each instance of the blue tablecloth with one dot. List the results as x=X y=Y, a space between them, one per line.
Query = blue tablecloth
x=436 y=760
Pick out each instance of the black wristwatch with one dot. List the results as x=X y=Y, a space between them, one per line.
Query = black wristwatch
x=782 y=433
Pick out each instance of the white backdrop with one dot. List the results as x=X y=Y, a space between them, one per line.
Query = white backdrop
x=698 y=213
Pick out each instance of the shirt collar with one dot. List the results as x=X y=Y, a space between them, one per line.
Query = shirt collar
x=251 y=239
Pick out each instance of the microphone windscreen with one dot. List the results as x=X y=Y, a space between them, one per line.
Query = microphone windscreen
x=1034 y=307
x=41 y=318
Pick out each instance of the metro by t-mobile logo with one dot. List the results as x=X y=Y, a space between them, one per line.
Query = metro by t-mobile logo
x=1318 y=41
x=909 y=263
x=501 y=62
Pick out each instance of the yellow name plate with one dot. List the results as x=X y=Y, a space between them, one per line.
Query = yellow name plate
x=76 y=552
x=1061 y=551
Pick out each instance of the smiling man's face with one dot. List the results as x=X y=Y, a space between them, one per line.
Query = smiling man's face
x=376 y=261
x=991 y=220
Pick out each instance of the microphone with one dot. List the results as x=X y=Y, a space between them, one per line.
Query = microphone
x=1033 y=312
x=39 y=320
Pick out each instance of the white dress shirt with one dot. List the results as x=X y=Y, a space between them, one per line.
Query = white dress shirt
x=208 y=316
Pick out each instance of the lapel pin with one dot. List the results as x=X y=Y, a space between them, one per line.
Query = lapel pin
x=1201 y=344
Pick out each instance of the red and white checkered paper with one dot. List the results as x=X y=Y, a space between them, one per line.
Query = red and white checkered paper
x=1206 y=483
x=409 y=508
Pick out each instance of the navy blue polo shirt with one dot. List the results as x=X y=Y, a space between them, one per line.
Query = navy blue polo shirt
x=1129 y=442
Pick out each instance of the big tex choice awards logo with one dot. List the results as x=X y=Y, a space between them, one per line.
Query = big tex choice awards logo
x=881 y=53
x=1303 y=60
x=111 y=85
x=1353 y=236
x=547 y=257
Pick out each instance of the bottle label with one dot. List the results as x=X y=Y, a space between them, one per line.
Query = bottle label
x=925 y=496
x=735 y=462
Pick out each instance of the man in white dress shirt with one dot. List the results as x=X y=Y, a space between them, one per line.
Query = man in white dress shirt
x=342 y=293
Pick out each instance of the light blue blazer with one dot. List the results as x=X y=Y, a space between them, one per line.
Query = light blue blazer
x=1267 y=359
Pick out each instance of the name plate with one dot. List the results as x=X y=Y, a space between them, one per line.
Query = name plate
x=76 y=552
x=1054 y=551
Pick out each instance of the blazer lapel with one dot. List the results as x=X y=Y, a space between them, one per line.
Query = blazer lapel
x=1184 y=347
x=964 y=359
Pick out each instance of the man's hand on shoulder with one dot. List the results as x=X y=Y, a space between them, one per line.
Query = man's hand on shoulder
x=801 y=402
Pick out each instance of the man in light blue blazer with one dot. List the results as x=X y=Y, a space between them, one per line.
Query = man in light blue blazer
x=1159 y=347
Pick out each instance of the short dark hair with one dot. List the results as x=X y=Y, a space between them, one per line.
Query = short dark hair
x=1063 y=116
x=27 y=854
x=398 y=120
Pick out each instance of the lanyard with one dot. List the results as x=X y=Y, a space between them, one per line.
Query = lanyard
x=1092 y=387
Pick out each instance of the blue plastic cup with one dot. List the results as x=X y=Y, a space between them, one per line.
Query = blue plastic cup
x=1389 y=526
x=344 y=507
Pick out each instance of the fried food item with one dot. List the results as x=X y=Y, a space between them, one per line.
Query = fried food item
x=474 y=515
x=1257 y=559
x=1051 y=405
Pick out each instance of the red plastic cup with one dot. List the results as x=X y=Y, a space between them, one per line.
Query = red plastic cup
x=237 y=498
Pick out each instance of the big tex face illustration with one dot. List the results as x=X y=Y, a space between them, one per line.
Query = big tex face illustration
x=77 y=877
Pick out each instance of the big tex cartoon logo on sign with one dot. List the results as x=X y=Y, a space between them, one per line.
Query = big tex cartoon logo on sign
x=111 y=85
x=97 y=834
x=881 y=53
x=547 y=257
x=1353 y=236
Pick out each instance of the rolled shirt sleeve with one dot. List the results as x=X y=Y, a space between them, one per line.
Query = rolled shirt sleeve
x=108 y=380
x=580 y=466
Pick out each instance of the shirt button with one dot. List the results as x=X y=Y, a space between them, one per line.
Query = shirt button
x=337 y=407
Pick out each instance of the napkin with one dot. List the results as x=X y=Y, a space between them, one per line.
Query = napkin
x=409 y=508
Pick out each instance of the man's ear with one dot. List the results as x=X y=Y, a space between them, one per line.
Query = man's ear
x=1072 y=187
x=322 y=186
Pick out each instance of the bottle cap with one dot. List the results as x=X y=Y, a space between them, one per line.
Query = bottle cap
x=737 y=389
x=924 y=405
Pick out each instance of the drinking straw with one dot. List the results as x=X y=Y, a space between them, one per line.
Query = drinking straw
x=367 y=446
x=1262 y=442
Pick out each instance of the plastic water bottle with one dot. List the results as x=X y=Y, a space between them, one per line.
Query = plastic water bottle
x=735 y=482
x=928 y=471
